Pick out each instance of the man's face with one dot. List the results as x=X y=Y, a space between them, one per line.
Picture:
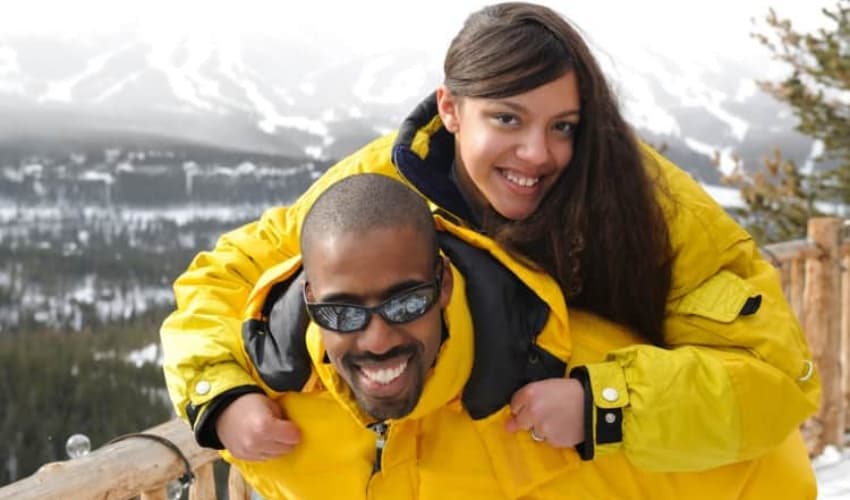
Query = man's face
x=384 y=364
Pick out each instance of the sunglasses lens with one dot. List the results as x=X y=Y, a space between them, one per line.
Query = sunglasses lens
x=352 y=319
x=339 y=318
x=409 y=306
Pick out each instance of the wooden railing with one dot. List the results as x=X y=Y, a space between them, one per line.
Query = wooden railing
x=816 y=277
x=136 y=466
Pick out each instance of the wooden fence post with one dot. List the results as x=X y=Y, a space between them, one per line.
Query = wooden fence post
x=798 y=278
x=203 y=488
x=237 y=489
x=822 y=325
x=845 y=337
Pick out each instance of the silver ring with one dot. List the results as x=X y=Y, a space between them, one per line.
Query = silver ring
x=535 y=437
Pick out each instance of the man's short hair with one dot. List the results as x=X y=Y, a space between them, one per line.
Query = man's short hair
x=364 y=202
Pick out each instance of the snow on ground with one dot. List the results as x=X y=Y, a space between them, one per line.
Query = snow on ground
x=832 y=469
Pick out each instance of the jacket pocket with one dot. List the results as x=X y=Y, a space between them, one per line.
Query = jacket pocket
x=723 y=297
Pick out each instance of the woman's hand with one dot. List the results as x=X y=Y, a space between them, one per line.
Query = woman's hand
x=253 y=427
x=552 y=410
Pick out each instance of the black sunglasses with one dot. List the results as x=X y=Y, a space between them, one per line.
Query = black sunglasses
x=402 y=307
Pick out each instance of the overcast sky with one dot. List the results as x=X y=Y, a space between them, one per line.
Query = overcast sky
x=676 y=28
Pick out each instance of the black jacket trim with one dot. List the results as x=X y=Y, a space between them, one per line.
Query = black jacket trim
x=507 y=316
x=751 y=306
x=431 y=175
x=277 y=345
x=609 y=431
x=586 y=449
x=205 y=433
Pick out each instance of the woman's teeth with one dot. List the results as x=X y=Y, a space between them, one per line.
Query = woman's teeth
x=520 y=180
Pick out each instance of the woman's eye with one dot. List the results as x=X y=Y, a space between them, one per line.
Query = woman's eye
x=565 y=128
x=506 y=119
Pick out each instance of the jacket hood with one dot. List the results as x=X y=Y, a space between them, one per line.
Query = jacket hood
x=423 y=153
x=443 y=382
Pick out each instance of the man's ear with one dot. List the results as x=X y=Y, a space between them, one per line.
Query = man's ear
x=447 y=282
x=308 y=294
x=448 y=106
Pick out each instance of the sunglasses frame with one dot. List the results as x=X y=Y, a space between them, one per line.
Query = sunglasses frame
x=436 y=284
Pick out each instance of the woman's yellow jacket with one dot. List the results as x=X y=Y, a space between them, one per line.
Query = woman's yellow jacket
x=735 y=382
x=447 y=447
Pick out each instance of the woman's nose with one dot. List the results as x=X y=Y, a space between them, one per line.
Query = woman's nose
x=534 y=148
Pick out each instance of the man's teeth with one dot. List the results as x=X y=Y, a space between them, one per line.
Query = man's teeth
x=384 y=375
x=521 y=180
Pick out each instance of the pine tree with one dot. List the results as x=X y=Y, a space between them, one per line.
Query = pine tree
x=780 y=197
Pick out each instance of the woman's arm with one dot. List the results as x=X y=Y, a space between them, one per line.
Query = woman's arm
x=736 y=377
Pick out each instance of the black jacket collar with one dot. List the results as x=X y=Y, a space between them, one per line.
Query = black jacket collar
x=431 y=175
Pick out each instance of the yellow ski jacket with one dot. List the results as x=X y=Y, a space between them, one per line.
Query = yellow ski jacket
x=454 y=443
x=737 y=378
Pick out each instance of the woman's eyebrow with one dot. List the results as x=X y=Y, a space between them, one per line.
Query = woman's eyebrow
x=522 y=109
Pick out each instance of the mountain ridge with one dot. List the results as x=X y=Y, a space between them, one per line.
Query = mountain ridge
x=295 y=97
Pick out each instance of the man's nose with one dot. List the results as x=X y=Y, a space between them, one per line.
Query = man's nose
x=378 y=337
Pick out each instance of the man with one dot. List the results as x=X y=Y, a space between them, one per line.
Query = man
x=396 y=395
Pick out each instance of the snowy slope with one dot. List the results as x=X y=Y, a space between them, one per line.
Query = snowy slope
x=832 y=469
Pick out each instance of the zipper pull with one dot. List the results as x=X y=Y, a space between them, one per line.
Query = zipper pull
x=379 y=428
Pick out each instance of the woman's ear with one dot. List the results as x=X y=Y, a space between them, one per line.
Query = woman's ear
x=448 y=106
x=447 y=282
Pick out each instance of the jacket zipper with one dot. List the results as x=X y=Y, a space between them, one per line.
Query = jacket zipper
x=380 y=429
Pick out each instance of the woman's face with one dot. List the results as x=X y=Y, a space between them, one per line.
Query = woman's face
x=511 y=150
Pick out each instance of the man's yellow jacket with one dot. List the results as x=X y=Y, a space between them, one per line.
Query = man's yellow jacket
x=736 y=380
x=454 y=443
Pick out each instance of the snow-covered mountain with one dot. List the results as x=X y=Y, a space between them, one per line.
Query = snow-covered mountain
x=303 y=97
x=256 y=93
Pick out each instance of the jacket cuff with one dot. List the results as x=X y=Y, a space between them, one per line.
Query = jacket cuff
x=207 y=385
x=585 y=449
x=203 y=418
x=605 y=397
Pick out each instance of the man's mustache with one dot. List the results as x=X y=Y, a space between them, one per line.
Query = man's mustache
x=401 y=350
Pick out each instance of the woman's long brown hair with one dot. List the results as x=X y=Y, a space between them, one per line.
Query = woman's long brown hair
x=600 y=231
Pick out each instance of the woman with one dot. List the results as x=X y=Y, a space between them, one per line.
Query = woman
x=524 y=141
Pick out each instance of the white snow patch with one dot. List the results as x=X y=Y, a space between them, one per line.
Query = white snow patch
x=271 y=119
x=817 y=150
x=329 y=115
x=33 y=169
x=285 y=95
x=308 y=88
x=145 y=355
x=832 y=469
x=187 y=81
x=738 y=125
x=641 y=107
x=314 y=152
x=394 y=87
x=92 y=176
x=9 y=61
x=10 y=72
x=116 y=87
x=747 y=88
x=727 y=197
x=62 y=90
